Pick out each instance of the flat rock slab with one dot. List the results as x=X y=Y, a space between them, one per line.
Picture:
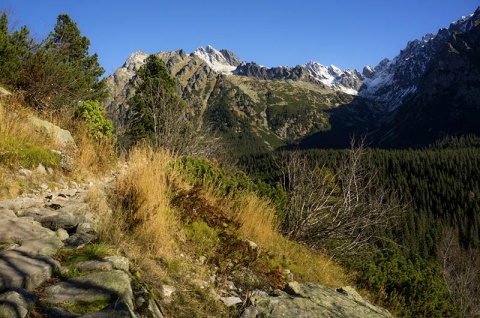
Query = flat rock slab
x=231 y=301
x=106 y=264
x=44 y=246
x=98 y=286
x=62 y=220
x=37 y=213
x=18 y=204
x=21 y=270
x=7 y=214
x=75 y=208
x=18 y=229
x=15 y=303
x=312 y=300
x=31 y=237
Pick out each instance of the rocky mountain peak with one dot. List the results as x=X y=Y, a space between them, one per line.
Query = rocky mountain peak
x=393 y=82
x=223 y=61
x=348 y=81
x=368 y=71
x=230 y=57
x=135 y=60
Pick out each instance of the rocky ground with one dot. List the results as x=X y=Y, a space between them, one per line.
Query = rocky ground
x=40 y=232
x=34 y=230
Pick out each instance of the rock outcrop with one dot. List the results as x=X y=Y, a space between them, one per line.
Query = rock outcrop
x=312 y=300
x=60 y=136
x=32 y=231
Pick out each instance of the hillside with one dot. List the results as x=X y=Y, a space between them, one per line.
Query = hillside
x=255 y=109
x=203 y=198
x=152 y=236
x=251 y=114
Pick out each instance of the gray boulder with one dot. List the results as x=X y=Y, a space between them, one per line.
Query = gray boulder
x=29 y=235
x=20 y=270
x=313 y=300
x=61 y=136
x=62 y=220
x=15 y=303
x=98 y=286
x=17 y=204
x=108 y=263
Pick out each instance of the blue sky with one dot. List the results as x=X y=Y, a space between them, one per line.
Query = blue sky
x=348 y=33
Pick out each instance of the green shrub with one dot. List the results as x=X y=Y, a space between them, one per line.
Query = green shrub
x=407 y=286
x=94 y=116
x=201 y=172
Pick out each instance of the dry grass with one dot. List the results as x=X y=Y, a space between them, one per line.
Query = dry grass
x=21 y=147
x=92 y=157
x=143 y=202
x=163 y=248
x=310 y=266
x=257 y=222
x=257 y=219
x=12 y=117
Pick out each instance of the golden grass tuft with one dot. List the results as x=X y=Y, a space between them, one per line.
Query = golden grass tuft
x=143 y=202
x=12 y=118
x=93 y=157
x=308 y=265
x=257 y=219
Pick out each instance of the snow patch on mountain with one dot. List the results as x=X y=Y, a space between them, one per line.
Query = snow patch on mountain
x=333 y=77
x=135 y=61
x=219 y=61
x=392 y=82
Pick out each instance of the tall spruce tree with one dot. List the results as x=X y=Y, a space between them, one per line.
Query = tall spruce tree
x=63 y=72
x=158 y=114
x=15 y=48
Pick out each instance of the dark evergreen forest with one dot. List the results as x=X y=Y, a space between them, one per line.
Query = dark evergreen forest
x=440 y=185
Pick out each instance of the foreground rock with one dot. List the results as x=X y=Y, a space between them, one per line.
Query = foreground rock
x=312 y=300
x=110 y=286
x=32 y=230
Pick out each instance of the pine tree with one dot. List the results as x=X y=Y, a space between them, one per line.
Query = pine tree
x=158 y=114
x=15 y=48
x=62 y=72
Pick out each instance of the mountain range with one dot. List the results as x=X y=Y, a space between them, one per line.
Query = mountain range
x=431 y=89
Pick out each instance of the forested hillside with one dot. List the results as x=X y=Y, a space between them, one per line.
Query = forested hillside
x=438 y=231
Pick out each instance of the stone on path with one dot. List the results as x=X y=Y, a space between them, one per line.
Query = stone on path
x=18 y=204
x=313 y=300
x=15 y=303
x=21 y=270
x=98 y=286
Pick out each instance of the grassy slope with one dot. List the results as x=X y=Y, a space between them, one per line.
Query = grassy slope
x=165 y=218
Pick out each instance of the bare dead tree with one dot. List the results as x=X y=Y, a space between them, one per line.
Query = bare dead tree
x=461 y=269
x=344 y=210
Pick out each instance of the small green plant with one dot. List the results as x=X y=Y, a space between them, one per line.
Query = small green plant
x=203 y=237
x=81 y=308
x=90 y=252
x=202 y=172
x=94 y=116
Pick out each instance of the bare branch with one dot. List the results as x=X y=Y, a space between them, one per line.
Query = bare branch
x=345 y=210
